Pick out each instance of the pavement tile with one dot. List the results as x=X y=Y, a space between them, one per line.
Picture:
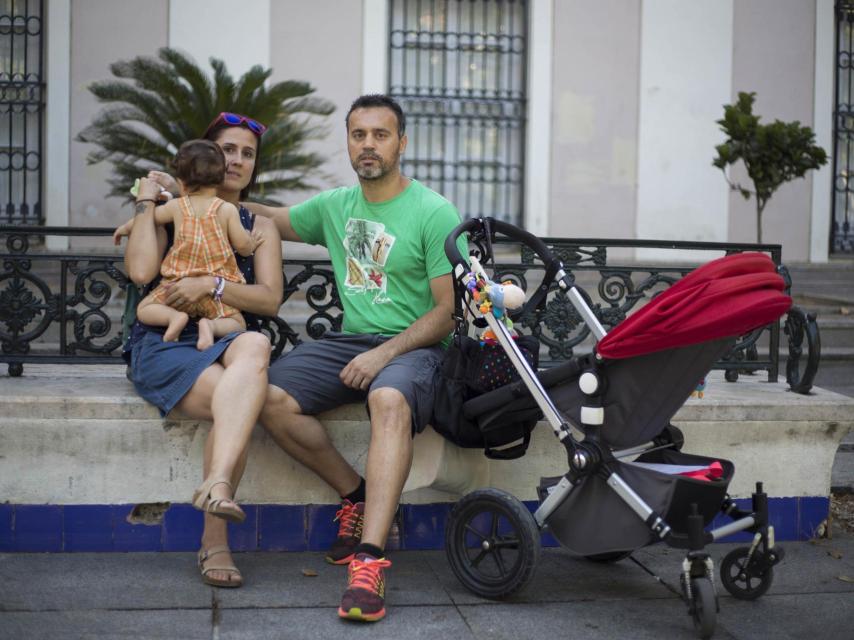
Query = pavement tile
x=563 y=577
x=807 y=567
x=139 y=625
x=80 y=581
x=589 y=620
x=411 y=623
x=281 y=580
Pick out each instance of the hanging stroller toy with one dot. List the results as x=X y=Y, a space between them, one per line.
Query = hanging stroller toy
x=628 y=483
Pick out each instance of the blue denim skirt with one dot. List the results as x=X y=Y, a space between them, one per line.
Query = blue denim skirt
x=163 y=372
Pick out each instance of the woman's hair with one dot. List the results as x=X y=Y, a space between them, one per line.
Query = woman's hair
x=212 y=133
x=199 y=163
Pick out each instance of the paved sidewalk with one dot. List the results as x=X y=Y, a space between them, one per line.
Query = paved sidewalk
x=159 y=595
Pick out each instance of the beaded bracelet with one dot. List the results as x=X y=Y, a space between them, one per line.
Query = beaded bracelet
x=220 y=287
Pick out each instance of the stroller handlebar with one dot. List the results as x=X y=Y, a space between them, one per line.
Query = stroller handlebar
x=492 y=225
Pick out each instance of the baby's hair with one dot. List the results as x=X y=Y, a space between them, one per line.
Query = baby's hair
x=199 y=163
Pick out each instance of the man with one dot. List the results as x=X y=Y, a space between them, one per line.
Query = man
x=386 y=241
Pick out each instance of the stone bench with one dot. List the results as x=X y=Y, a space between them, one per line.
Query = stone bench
x=77 y=441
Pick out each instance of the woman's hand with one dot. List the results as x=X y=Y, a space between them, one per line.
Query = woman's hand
x=165 y=181
x=187 y=291
x=256 y=239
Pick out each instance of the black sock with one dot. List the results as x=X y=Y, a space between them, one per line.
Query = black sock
x=370 y=549
x=358 y=495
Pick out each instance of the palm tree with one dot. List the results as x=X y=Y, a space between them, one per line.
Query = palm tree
x=158 y=103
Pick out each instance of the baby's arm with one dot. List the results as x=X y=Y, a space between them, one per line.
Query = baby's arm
x=167 y=213
x=242 y=241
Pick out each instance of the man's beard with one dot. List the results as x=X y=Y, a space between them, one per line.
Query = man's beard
x=370 y=172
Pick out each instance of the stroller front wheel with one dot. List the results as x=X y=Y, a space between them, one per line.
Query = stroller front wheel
x=746 y=578
x=492 y=543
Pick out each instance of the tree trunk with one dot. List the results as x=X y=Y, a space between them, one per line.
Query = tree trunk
x=760 y=205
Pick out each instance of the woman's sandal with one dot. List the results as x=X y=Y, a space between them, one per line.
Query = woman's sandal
x=203 y=501
x=206 y=566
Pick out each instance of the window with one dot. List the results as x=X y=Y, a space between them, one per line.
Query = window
x=458 y=69
x=21 y=106
x=841 y=232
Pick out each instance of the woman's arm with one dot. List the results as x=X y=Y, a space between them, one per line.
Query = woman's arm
x=146 y=242
x=281 y=217
x=263 y=298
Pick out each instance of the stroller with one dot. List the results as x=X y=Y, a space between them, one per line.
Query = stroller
x=628 y=484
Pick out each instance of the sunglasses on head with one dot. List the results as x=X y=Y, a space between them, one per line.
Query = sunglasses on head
x=238 y=120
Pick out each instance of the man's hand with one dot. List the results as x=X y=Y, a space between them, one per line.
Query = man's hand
x=361 y=370
x=186 y=291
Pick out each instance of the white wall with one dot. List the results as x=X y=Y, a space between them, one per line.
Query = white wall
x=237 y=32
x=685 y=77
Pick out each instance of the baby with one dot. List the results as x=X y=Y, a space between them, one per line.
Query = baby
x=206 y=228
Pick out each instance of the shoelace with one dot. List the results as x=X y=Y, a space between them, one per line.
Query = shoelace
x=350 y=520
x=368 y=575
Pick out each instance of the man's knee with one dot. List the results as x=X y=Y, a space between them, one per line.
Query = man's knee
x=389 y=409
x=278 y=406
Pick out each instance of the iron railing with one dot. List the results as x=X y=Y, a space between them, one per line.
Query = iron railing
x=66 y=308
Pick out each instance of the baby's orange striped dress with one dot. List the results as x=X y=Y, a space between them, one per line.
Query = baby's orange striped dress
x=200 y=248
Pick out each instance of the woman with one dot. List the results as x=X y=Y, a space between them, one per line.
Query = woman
x=227 y=383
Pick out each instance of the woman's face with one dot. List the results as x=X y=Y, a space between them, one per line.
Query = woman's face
x=240 y=148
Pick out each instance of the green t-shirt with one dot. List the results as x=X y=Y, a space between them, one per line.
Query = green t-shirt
x=384 y=254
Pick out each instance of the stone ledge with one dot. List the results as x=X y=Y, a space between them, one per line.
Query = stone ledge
x=96 y=442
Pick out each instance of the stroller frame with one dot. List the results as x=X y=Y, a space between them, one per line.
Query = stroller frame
x=589 y=456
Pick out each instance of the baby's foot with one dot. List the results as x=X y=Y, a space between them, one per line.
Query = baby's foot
x=206 y=336
x=176 y=326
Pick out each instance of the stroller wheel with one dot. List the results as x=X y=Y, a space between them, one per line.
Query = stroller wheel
x=746 y=580
x=492 y=543
x=703 y=607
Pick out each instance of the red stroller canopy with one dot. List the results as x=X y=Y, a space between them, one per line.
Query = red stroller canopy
x=727 y=297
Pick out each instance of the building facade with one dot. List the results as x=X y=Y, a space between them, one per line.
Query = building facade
x=574 y=118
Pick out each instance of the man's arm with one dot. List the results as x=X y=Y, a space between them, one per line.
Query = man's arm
x=429 y=329
x=281 y=217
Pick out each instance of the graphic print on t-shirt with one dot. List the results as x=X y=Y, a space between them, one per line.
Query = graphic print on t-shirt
x=367 y=246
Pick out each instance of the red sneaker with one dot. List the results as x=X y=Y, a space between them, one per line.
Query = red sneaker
x=351 y=518
x=364 y=598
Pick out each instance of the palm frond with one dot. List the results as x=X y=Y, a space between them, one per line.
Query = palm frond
x=153 y=104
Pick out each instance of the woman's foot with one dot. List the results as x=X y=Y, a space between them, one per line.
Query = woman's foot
x=176 y=326
x=206 y=334
x=216 y=498
x=217 y=567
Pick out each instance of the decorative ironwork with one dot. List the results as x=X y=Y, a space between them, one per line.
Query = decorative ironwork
x=799 y=326
x=67 y=308
x=458 y=68
x=842 y=219
x=21 y=107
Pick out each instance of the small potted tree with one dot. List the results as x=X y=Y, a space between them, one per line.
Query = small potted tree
x=772 y=153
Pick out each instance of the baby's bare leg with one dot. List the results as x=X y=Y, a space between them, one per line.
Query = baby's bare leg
x=210 y=329
x=160 y=315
